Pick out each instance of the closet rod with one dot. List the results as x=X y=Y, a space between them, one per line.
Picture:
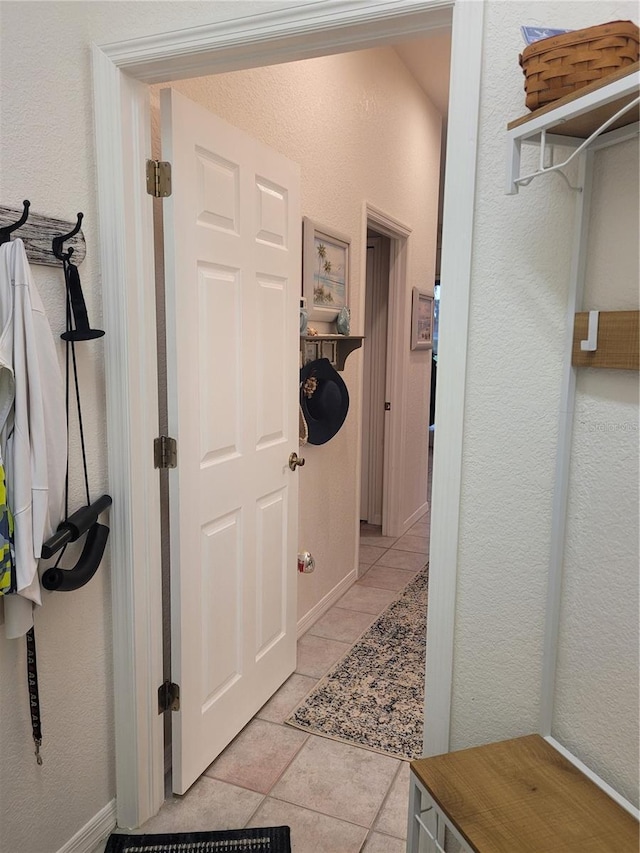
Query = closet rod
x=38 y=233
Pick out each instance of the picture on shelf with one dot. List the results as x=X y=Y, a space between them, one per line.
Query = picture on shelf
x=325 y=271
x=421 y=320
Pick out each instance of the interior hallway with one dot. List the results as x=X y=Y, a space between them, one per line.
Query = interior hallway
x=335 y=797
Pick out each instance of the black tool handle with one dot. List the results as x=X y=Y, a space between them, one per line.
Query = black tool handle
x=82 y=330
x=74 y=526
x=66 y=580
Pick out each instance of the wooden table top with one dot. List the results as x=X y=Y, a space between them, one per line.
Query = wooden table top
x=523 y=796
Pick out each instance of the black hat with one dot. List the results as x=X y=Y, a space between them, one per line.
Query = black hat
x=324 y=399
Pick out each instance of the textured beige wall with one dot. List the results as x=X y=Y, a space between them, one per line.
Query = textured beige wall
x=521 y=255
x=362 y=130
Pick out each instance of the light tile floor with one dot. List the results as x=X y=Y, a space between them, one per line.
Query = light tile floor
x=335 y=797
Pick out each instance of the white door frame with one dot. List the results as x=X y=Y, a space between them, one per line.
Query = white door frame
x=122 y=125
x=398 y=233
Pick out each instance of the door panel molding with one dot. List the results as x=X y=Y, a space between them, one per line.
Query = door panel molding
x=121 y=109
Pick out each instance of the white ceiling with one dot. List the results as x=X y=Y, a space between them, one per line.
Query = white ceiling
x=428 y=60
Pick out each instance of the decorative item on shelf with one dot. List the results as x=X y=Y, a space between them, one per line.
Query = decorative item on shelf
x=324 y=400
x=557 y=66
x=533 y=34
x=304 y=316
x=325 y=270
x=421 y=320
x=343 y=321
x=312 y=332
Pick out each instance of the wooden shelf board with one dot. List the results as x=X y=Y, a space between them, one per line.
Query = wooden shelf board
x=523 y=795
x=582 y=126
x=618 y=341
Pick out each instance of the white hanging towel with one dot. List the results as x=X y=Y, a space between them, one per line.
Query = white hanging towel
x=33 y=428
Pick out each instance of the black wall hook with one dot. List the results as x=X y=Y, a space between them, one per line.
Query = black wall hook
x=5 y=231
x=57 y=242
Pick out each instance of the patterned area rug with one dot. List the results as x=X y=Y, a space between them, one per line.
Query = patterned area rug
x=374 y=696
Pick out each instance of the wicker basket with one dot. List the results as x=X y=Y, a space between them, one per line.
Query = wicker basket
x=557 y=66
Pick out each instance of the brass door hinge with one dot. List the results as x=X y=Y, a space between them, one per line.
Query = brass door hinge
x=158 y=178
x=165 y=452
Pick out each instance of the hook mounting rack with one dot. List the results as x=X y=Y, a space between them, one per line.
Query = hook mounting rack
x=37 y=232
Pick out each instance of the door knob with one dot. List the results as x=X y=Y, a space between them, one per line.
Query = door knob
x=295 y=461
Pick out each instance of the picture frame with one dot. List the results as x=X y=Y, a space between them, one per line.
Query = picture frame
x=325 y=270
x=421 y=320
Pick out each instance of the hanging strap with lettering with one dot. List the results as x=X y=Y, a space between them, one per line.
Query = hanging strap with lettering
x=34 y=698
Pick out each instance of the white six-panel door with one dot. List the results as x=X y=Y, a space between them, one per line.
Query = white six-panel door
x=232 y=265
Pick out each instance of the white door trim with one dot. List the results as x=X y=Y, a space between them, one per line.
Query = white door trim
x=399 y=233
x=302 y=31
x=455 y=273
x=123 y=142
x=126 y=252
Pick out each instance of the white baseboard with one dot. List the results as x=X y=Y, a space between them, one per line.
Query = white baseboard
x=409 y=522
x=325 y=603
x=87 y=839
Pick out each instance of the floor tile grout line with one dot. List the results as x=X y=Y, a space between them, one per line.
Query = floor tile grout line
x=284 y=769
x=326 y=814
x=397 y=569
x=384 y=802
x=255 y=811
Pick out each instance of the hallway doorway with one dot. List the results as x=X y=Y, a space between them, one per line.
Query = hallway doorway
x=375 y=399
x=121 y=101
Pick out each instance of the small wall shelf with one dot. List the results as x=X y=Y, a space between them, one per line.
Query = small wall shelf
x=598 y=115
x=334 y=347
x=618 y=340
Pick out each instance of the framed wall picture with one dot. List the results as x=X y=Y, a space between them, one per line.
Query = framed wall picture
x=325 y=270
x=421 y=320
